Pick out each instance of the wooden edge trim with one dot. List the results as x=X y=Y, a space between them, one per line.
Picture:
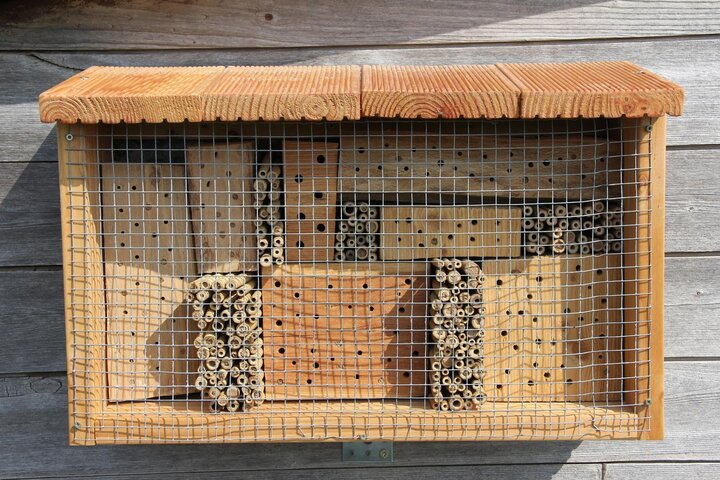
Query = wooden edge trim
x=657 y=274
x=84 y=354
x=157 y=425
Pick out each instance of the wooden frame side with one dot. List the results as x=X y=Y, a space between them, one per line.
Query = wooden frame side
x=336 y=422
x=82 y=278
x=643 y=369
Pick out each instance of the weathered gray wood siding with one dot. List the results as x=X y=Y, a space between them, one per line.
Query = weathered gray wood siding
x=43 y=42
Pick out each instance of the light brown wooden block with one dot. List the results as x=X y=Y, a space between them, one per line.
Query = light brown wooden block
x=448 y=91
x=548 y=337
x=345 y=331
x=310 y=171
x=593 y=89
x=562 y=166
x=148 y=262
x=220 y=181
x=424 y=232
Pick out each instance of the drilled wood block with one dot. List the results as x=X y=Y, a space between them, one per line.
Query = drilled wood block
x=221 y=198
x=552 y=329
x=310 y=170
x=592 y=307
x=339 y=331
x=424 y=232
x=561 y=166
x=148 y=261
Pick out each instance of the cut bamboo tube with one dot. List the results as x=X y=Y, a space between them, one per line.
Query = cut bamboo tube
x=452 y=370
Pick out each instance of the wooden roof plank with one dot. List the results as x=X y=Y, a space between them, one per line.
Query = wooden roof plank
x=451 y=91
x=128 y=94
x=592 y=89
x=284 y=93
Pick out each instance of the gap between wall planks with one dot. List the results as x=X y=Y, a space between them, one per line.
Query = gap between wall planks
x=176 y=94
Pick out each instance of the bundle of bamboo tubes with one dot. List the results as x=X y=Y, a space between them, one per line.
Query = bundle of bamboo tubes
x=268 y=220
x=456 y=354
x=586 y=227
x=358 y=233
x=227 y=309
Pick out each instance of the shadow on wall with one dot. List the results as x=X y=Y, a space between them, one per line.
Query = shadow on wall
x=30 y=210
x=99 y=24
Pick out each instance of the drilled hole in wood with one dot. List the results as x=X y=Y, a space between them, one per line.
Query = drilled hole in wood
x=298 y=178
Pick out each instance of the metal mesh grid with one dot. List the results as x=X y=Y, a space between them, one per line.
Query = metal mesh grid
x=374 y=279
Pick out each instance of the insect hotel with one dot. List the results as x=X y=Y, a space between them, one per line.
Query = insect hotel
x=271 y=254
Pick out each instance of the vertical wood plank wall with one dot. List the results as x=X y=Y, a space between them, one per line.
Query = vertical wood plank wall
x=45 y=42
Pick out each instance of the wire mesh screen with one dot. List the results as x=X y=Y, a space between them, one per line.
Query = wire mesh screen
x=409 y=280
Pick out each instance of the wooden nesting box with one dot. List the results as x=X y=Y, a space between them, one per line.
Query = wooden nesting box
x=341 y=253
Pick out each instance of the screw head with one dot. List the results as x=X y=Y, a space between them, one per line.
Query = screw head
x=69 y=137
x=383 y=453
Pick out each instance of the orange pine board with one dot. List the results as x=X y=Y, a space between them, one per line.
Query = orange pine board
x=345 y=331
x=593 y=89
x=310 y=172
x=457 y=91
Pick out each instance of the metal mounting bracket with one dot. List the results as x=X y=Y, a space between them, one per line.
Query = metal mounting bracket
x=367 y=451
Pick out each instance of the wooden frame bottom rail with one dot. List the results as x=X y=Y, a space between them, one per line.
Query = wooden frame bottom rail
x=335 y=421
